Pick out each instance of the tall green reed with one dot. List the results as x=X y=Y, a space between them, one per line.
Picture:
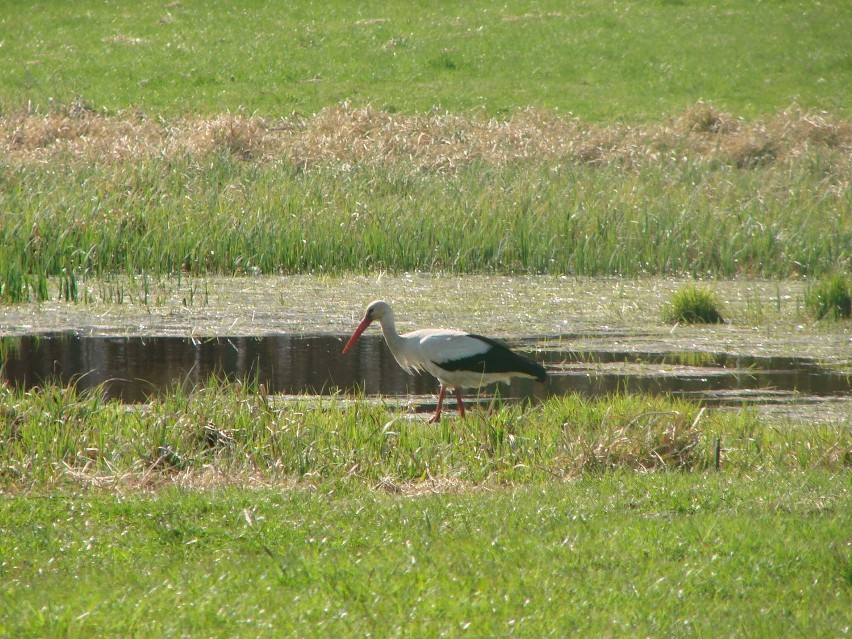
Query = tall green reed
x=225 y=215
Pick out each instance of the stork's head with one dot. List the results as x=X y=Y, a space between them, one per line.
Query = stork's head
x=376 y=311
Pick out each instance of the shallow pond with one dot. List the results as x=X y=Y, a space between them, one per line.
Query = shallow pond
x=135 y=368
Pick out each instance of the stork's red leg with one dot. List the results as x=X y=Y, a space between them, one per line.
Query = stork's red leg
x=437 y=416
x=460 y=403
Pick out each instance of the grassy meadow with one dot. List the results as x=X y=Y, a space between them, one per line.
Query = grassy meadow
x=160 y=142
x=225 y=513
x=609 y=555
x=602 y=61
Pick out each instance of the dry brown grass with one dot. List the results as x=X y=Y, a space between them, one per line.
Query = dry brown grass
x=650 y=441
x=345 y=135
x=154 y=480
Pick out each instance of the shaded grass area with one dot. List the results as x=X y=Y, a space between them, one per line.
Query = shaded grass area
x=830 y=298
x=359 y=190
x=653 y=554
x=617 y=60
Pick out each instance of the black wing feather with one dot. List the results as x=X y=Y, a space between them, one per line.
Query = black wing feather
x=497 y=359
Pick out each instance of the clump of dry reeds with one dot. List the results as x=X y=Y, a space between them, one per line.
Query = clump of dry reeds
x=656 y=440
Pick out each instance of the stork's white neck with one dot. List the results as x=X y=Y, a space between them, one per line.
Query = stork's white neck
x=392 y=337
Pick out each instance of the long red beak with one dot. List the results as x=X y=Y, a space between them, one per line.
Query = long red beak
x=361 y=328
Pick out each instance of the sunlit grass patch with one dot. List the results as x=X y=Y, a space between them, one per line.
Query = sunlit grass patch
x=693 y=305
x=648 y=552
x=245 y=500
x=598 y=60
x=830 y=298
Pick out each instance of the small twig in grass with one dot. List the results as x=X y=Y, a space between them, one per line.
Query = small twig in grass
x=605 y=418
x=274 y=558
x=698 y=417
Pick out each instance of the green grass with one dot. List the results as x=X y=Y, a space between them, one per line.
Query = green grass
x=57 y=436
x=830 y=298
x=221 y=214
x=221 y=513
x=18 y=285
x=600 y=60
x=693 y=305
x=665 y=554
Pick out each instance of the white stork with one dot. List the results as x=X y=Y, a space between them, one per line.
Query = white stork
x=457 y=359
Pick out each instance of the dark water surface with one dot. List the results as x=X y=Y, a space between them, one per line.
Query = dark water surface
x=134 y=369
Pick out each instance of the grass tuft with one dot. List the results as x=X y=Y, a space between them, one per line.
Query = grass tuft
x=693 y=305
x=705 y=118
x=649 y=441
x=830 y=298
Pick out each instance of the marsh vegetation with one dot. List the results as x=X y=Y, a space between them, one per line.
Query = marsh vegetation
x=202 y=169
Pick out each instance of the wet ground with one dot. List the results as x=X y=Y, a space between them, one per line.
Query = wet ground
x=595 y=336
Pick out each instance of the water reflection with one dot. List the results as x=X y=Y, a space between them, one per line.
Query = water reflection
x=134 y=369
